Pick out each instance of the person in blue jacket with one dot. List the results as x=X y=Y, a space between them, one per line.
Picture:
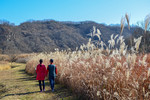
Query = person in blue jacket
x=52 y=70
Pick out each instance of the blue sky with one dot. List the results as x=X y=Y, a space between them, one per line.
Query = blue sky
x=101 y=11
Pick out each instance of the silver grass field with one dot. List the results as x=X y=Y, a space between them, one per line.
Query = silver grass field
x=97 y=71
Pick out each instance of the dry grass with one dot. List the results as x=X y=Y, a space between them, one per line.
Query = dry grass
x=122 y=24
x=102 y=76
x=128 y=20
x=4 y=57
x=114 y=76
x=117 y=74
x=23 y=58
x=4 y=65
x=26 y=55
x=147 y=21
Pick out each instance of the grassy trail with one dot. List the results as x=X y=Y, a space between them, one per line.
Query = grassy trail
x=15 y=84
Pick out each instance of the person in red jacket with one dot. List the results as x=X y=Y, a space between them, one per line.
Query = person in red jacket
x=41 y=73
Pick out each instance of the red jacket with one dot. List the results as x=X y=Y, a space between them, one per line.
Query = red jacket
x=41 y=72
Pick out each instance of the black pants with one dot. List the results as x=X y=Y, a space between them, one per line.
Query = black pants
x=40 y=85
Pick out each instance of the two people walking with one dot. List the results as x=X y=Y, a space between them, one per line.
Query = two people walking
x=42 y=73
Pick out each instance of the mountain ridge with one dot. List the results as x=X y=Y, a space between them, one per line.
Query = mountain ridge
x=40 y=36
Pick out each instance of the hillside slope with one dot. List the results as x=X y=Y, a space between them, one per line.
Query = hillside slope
x=39 y=36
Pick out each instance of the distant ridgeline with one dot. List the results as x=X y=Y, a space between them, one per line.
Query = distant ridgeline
x=45 y=36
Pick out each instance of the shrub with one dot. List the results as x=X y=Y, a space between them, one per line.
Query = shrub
x=4 y=57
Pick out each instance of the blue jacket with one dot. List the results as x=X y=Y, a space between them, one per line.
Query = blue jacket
x=52 y=70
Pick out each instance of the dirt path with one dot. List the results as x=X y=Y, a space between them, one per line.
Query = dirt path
x=15 y=84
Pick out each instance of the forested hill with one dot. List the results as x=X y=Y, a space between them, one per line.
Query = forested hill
x=38 y=36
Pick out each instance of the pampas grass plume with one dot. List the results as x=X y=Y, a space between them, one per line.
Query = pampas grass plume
x=147 y=21
x=128 y=20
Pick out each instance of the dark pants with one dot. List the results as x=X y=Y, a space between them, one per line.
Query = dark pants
x=52 y=82
x=40 y=85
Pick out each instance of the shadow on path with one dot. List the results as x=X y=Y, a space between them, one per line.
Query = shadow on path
x=14 y=66
x=62 y=92
x=19 y=94
x=28 y=76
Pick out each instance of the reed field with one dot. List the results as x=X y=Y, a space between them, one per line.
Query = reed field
x=97 y=71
